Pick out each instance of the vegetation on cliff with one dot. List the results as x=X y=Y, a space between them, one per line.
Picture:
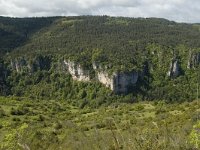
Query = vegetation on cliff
x=164 y=53
x=42 y=101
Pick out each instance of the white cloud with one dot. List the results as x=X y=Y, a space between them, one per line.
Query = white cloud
x=178 y=10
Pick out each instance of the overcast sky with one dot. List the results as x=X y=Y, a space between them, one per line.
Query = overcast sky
x=177 y=10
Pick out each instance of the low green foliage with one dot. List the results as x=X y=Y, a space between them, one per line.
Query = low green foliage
x=117 y=126
x=195 y=135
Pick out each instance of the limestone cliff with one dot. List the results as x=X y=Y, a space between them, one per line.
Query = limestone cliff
x=24 y=65
x=105 y=79
x=76 y=70
x=124 y=81
x=18 y=64
x=174 y=70
x=194 y=60
x=118 y=82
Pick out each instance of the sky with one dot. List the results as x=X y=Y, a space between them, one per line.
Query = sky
x=176 y=10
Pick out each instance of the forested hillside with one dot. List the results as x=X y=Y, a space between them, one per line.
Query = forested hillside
x=99 y=82
x=162 y=56
x=14 y=32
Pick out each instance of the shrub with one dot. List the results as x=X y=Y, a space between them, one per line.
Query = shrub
x=41 y=118
x=58 y=126
x=100 y=125
x=16 y=112
x=194 y=137
x=83 y=104
x=2 y=113
x=16 y=119
x=139 y=107
x=19 y=111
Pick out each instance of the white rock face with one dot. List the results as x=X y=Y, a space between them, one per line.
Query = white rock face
x=118 y=82
x=194 y=60
x=174 y=70
x=104 y=78
x=18 y=65
x=77 y=72
x=94 y=65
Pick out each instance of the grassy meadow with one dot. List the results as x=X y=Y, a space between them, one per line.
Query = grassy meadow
x=50 y=125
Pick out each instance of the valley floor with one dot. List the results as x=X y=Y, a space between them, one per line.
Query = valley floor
x=42 y=125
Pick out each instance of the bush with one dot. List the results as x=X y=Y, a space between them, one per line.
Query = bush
x=16 y=112
x=2 y=113
x=41 y=118
x=83 y=104
x=58 y=126
x=159 y=111
x=139 y=107
x=100 y=125
x=194 y=137
x=16 y=119
x=19 y=111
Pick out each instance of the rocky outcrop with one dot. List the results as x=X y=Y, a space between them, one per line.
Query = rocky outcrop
x=97 y=66
x=76 y=71
x=174 y=70
x=42 y=63
x=39 y=63
x=194 y=60
x=19 y=64
x=105 y=79
x=118 y=82
x=123 y=82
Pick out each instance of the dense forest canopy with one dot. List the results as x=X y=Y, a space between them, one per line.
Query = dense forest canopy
x=14 y=32
x=121 y=40
x=123 y=44
x=77 y=33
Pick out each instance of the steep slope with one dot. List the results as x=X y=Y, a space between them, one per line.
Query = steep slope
x=147 y=58
x=119 y=41
x=14 y=32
